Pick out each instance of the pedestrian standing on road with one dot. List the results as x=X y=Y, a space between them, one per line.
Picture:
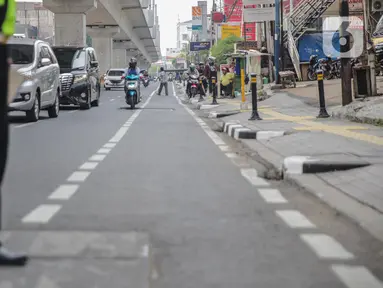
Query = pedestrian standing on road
x=163 y=81
x=7 y=27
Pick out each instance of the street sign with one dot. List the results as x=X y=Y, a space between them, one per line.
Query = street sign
x=230 y=30
x=262 y=12
x=199 y=46
x=196 y=18
x=250 y=45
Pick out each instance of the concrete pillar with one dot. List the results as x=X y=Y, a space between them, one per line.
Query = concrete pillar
x=119 y=58
x=70 y=20
x=102 y=43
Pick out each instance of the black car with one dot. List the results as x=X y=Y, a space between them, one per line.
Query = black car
x=79 y=76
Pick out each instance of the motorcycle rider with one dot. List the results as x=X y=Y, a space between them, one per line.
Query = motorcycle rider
x=201 y=70
x=211 y=71
x=192 y=71
x=134 y=70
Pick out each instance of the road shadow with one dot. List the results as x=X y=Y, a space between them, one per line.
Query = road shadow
x=69 y=107
x=22 y=119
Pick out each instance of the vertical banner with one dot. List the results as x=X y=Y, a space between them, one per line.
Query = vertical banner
x=196 y=18
x=237 y=16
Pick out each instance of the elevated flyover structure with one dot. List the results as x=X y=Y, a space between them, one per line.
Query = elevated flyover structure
x=120 y=29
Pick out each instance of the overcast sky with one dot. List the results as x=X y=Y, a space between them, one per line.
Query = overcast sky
x=168 y=11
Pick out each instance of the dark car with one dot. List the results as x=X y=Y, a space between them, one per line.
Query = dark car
x=79 y=76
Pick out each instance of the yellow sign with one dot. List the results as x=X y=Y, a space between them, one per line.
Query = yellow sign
x=229 y=30
x=320 y=76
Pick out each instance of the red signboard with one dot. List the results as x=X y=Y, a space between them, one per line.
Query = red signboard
x=250 y=31
x=236 y=16
x=218 y=17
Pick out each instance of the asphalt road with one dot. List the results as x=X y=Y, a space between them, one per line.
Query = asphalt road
x=152 y=197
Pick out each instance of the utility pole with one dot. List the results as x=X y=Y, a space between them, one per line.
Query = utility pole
x=282 y=52
x=277 y=39
x=344 y=40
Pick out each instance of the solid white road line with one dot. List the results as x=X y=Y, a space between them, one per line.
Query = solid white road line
x=64 y=192
x=42 y=214
x=97 y=157
x=78 y=176
x=356 y=276
x=25 y=125
x=88 y=166
x=104 y=151
x=110 y=145
x=251 y=175
x=272 y=196
x=326 y=247
x=295 y=219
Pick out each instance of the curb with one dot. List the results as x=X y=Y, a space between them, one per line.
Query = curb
x=222 y=114
x=238 y=131
x=366 y=217
x=307 y=165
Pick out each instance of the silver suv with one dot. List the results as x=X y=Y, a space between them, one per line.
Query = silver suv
x=41 y=87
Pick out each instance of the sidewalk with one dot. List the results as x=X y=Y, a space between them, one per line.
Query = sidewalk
x=368 y=111
x=290 y=128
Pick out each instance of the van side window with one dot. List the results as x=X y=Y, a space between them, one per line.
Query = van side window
x=45 y=53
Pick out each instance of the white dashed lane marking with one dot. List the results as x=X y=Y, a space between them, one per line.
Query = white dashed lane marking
x=88 y=166
x=272 y=195
x=97 y=157
x=64 y=192
x=78 y=176
x=251 y=175
x=326 y=247
x=295 y=219
x=356 y=276
x=42 y=214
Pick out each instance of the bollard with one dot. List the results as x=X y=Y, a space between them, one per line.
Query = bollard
x=214 y=84
x=254 y=114
x=322 y=112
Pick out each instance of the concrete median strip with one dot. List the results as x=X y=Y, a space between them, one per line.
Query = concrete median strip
x=306 y=164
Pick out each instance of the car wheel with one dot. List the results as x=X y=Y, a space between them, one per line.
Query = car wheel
x=54 y=110
x=89 y=99
x=33 y=115
x=96 y=103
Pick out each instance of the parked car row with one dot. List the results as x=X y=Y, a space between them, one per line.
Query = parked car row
x=53 y=76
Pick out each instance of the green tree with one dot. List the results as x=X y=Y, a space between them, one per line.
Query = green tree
x=225 y=46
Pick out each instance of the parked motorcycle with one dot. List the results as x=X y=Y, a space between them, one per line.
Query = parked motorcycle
x=193 y=80
x=313 y=67
x=132 y=90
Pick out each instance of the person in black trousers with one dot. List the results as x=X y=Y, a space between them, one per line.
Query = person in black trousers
x=7 y=258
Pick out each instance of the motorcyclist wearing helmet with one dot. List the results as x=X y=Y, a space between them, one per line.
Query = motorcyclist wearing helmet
x=211 y=71
x=192 y=71
x=201 y=71
x=133 y=69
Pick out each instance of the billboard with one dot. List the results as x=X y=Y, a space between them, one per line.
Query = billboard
x=236 y=16
x=196 y=18
x=229 y=30
x=199 y=46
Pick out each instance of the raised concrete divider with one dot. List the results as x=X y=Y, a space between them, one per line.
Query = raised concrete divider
x=307 y=164
x=238 y=131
